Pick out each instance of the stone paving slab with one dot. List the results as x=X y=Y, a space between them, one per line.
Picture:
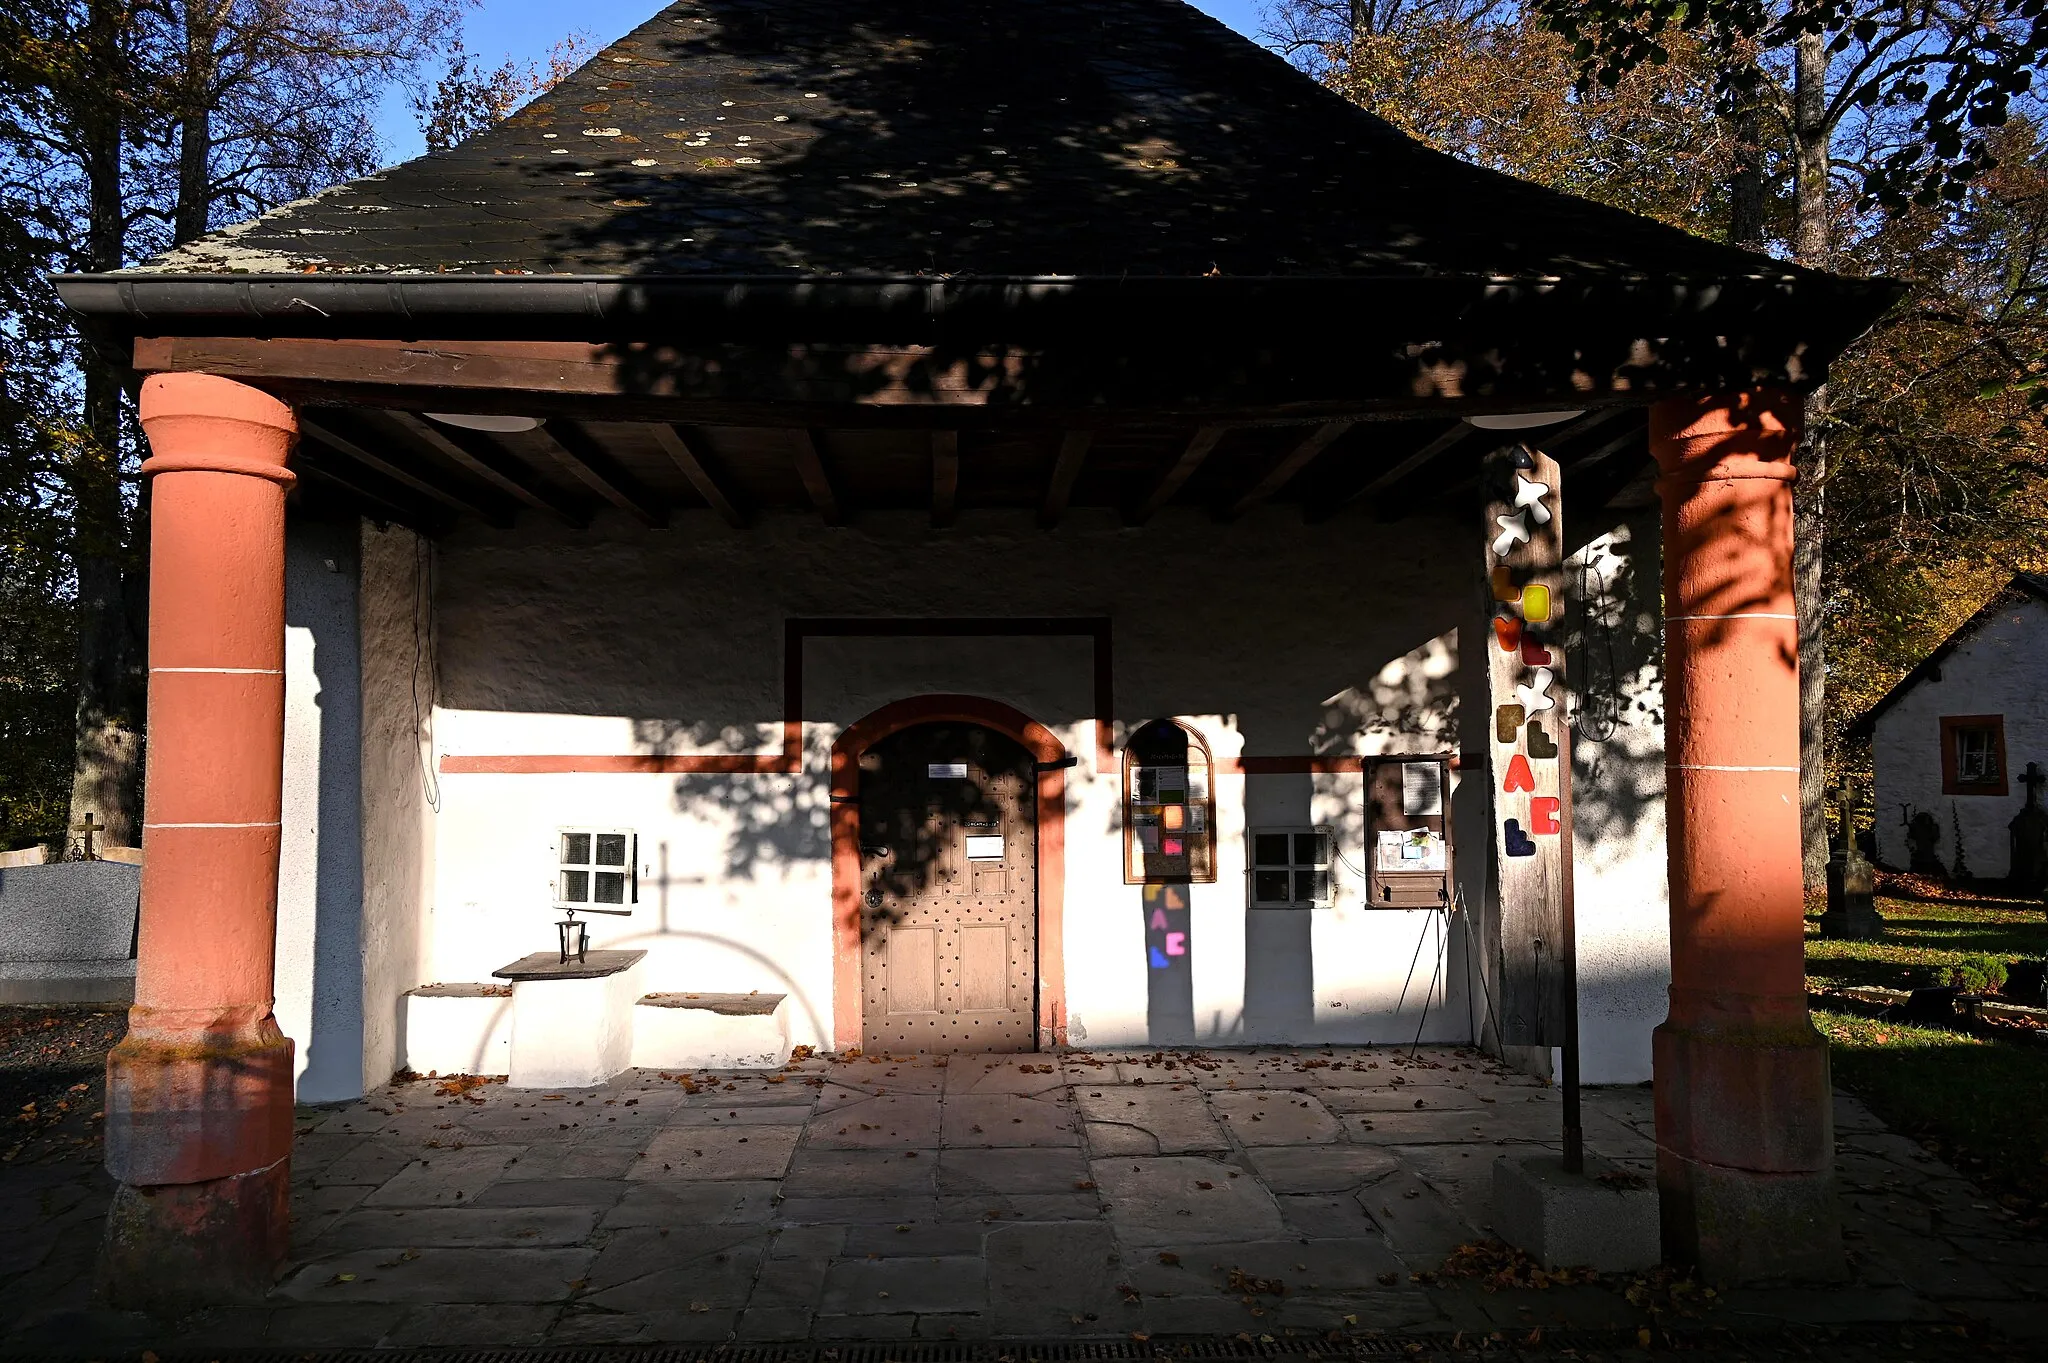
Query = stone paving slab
x=707 y=1153
x=1001 y=1119
x=530 y=1227
x=1178 y=1119
x=440 y=1275
x=1268 y=1117
x=987 y=1196
x=1179 y=1198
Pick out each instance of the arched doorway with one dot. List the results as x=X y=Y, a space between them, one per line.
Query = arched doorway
x=1042 y=761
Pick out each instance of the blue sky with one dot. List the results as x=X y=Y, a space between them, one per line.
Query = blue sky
x=526 y=29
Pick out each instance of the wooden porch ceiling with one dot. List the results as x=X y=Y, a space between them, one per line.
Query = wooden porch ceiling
x=397 y=465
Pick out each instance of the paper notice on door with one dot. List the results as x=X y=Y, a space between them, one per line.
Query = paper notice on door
x=1413 y=850
x=984 y=847
x=1422 y=789
x=945 y=771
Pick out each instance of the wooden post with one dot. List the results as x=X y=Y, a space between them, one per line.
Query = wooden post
x=1531 y=768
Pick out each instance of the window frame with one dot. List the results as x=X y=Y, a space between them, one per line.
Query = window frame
x=1952 y=729
x=631 y=869
x=1252 y=865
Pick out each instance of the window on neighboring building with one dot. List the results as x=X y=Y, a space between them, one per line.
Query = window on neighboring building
x=1290 y=868
x=597 y=870
x=1973 y=755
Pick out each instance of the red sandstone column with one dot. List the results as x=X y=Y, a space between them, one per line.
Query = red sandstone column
x=199 y=1095
x=1745 y=1127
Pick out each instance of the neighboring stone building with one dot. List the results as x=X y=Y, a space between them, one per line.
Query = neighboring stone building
x=1952 y=738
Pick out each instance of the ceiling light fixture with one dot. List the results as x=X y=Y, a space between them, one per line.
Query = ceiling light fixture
x=1520 y=421
x=484 y=421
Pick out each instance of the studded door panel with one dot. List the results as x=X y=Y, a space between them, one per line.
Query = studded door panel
x=949 y=851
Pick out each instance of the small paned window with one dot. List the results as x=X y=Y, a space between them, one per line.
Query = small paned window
x=1290 y=868
x=1169 y=807
x=1976 y=756
x=597 y=870
x=1973 y=755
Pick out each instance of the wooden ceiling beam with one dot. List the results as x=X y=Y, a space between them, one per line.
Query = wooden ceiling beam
x=677 y=447
x=1199 y=447
x=1293 y=462
x=1608 y=450
x=810 y=467
x=1393 y=473
x=379 y=498
x=501 y=471
x=945 y=478
x=583 y=459
x=1066 y=469
x=489 y=509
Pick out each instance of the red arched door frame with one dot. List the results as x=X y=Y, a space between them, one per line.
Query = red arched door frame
x=1046 y=748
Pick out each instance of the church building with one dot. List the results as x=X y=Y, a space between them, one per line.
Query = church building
x=994 y=527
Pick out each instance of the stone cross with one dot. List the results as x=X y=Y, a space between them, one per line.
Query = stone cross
x=1852 y=881
x=2033 y=778
x=90 y=827
x=1845 y=812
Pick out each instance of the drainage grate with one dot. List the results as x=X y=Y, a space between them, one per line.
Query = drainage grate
x=1788 y=1342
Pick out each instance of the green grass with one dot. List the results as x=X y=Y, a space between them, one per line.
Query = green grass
x=1924 y=937
x=1980 y=1102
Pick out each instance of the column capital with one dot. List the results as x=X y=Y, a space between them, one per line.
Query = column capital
x=1713 y=436
x=202 y=423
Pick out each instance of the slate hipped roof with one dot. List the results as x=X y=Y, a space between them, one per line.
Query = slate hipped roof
x=2022 y=587
x=974 y=137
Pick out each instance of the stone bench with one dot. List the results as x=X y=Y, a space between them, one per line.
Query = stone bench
x=700 y=1030
x=458 y=1029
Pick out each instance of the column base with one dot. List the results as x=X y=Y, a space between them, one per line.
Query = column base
x=199 y=1138
x=1746 y=1149
x=1743 y=1226
x=182 y=1246
x=196 y=1097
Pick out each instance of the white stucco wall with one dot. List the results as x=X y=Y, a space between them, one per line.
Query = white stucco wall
x=1267 y=639
x=1998 y=669
x=399 y=794
x=319 y=970
x=1622 y=905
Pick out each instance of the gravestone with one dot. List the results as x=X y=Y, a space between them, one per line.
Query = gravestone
x=2028 y=872
x=1852 y=881
x=67 y=932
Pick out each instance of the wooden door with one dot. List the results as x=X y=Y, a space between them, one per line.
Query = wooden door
x=949 y=871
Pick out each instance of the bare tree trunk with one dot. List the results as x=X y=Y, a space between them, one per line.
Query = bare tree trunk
x=1746 y=193
x=1811 y=245
x=195 y=124
x=106 y=764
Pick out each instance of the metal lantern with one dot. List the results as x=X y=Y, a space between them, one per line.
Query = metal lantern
x=575 y=938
